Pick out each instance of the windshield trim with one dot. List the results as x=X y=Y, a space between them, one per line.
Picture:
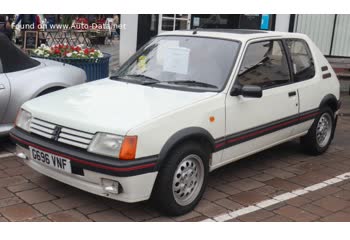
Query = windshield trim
x=190 y=88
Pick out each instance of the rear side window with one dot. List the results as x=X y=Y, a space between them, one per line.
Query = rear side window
x=303 y=64
x=264 y=64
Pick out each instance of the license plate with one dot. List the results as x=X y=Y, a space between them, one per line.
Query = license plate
x=54 y=161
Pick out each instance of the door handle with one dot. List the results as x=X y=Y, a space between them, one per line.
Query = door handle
x=2 y=86
x=291 y=94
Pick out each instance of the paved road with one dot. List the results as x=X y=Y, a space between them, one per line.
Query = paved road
x=243 y=191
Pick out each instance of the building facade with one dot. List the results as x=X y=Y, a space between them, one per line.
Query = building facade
x=330 y=32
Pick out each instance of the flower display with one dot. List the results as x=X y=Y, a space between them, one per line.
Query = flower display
x=67 y=51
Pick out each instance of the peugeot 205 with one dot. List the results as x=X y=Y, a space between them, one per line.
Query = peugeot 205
x=186 y=103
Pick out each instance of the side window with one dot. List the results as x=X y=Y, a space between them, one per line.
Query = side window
x=303 y=64
x=264 y=64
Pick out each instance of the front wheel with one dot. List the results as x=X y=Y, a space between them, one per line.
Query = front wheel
x=320 y=134
x=182 y=181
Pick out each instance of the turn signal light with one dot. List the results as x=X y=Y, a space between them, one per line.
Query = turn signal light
x=128 y=148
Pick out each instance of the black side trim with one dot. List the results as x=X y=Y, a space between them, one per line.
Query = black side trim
x=86 y=160
x=324 y=68
x=191 y=132
x=249 y=134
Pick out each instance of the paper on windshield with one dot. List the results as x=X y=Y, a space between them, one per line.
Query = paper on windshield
x=162 y=49
x=176 y=60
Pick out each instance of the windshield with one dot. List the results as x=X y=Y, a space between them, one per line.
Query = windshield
x=183 y=60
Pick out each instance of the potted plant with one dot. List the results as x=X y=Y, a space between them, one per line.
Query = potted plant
x=93 y=61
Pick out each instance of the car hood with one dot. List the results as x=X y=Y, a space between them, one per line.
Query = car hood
x=110 y=106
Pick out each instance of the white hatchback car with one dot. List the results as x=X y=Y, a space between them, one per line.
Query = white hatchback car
x=185 y=104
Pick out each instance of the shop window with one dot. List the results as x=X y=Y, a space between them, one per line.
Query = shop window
x=264 y=64
x=303 y=64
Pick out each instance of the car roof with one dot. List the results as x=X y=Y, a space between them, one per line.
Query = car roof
x=233 y=34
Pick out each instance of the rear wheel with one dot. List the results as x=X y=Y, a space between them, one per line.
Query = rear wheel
x=182 y=180
x=320 y=134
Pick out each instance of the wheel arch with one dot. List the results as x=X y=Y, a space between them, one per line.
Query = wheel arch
x=49 y=90
x=192 y=133
x=331 y=101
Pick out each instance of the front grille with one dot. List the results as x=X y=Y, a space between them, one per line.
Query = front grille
x=61 y=134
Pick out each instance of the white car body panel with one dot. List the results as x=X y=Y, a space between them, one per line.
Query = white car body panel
x=85 y=108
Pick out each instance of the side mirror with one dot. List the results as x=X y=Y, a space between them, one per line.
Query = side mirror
x=247 y=91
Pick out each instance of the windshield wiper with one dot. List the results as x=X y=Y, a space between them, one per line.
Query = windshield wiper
x=146 y=80
x=192 y=82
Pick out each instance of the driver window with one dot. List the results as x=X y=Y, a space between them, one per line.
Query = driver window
x=264 y=64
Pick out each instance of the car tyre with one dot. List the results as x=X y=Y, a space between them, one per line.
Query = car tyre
x=182 y=179
x=321 y=133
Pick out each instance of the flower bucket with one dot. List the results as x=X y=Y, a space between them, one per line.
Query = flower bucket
x=92 y=61
x=95 y=68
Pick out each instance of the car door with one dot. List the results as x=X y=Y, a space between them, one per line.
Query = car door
x=4 y=92
x=253 y=124
x=306 y=81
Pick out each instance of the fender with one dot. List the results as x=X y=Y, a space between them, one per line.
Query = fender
x=186 y=133
x=330 y=98
x=335 y=105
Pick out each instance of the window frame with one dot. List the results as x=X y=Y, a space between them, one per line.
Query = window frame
x=287 y=55
x=308 y=50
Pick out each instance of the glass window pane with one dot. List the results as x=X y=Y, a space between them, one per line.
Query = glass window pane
x=303 y=65
x=181 y=25
x=264 y=64
x=167 y=24
x=180 y=58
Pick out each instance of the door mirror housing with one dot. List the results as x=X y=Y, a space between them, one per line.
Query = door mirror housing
x=252 y=91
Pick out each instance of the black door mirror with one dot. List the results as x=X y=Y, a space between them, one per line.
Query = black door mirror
x=247 y=91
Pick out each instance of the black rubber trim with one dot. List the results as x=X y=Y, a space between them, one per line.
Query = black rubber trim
x=182 y=135
x=249 y=134
x=86 y=160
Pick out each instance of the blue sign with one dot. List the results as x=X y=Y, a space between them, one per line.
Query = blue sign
x=265 y=18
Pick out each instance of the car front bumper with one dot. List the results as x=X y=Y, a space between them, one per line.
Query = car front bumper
x=135 y=180
x=5 y=129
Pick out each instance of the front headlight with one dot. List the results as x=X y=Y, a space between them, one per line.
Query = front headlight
x=112 y=145
x=106 y=144
x=23 y=120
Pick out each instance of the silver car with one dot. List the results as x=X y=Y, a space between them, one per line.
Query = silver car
x=23 y=78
